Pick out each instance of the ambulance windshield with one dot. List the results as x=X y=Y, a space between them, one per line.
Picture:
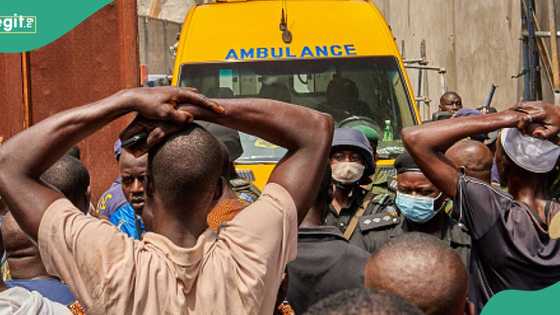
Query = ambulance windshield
x=370 y=87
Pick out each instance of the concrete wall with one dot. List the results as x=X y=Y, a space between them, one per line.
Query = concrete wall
x=477 y=41
x=170 y=10
x=155 y=37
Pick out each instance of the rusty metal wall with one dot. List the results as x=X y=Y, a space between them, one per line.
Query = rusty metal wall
x=11 y=96
x=94 y=60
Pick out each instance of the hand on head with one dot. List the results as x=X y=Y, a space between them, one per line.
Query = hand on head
x=542 y=119
x=163 y=111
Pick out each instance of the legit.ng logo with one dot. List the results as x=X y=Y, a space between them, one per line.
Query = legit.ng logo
x=18 y=24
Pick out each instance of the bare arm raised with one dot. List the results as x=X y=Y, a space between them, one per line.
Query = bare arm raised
x=306 y=133
x=426 y=143
x=24 y=157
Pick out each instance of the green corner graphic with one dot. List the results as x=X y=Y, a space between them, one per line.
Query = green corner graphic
x=30 y=24
x=517 y=302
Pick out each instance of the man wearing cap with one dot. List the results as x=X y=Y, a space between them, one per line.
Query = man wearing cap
x=418 y=207
x=123 y=202
x=379 y=180
x=352 y=163
x=511 y=247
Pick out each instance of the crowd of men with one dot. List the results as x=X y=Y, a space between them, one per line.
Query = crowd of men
x=470 y=211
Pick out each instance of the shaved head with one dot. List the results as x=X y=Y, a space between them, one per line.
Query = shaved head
x=363 y=302
x=474 y=156
x=185 y=169
x=71 y=178
x=423 y=270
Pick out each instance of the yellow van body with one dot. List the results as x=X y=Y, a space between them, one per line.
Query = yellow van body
x=326 y=31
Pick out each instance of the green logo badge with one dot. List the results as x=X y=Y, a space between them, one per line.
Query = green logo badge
x=18 y=24
x=30 y=24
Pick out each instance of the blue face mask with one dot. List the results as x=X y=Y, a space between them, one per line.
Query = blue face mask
x=417 y=209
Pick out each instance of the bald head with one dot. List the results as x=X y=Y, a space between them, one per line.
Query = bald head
x=423 y=270
x=474 y=156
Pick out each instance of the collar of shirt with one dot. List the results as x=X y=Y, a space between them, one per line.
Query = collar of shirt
x=357 y=198
x=187 y=261
x=450 y=230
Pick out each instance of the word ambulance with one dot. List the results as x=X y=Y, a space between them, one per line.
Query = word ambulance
x=290 y=52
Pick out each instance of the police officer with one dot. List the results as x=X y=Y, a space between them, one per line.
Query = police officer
x=352 y=163
x=419 y=206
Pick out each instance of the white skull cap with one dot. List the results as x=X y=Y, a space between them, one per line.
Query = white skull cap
x=529 y=153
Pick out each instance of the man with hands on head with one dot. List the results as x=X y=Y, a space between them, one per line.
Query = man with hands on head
x=182 y=267
x=511 y=248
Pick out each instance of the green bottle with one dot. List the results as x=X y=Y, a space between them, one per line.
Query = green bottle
x=388 y=131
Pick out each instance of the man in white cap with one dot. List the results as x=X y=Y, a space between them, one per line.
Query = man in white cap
x=511 y=247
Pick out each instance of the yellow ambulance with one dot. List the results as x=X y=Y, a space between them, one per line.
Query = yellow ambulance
x=337 y=56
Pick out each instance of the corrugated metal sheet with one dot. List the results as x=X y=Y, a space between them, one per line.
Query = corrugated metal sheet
x=94 y=60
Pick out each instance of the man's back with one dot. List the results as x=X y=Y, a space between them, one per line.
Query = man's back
x=234 y=271
x=183 y=267
x=326 y=263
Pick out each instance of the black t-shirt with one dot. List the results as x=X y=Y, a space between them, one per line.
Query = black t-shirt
x=511 y=248
x=326 y=263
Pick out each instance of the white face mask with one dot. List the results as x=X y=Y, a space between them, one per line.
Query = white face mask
x=347 y=172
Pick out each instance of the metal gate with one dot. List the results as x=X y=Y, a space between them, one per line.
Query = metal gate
x=94 y=60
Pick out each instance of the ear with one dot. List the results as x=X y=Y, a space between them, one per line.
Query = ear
x=219 y=191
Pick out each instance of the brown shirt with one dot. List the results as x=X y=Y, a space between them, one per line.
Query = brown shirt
x=234 y=271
